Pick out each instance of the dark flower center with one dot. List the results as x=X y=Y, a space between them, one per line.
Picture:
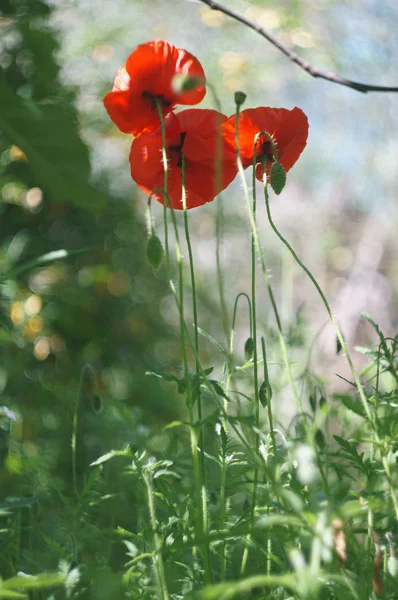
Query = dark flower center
x=152 y=98
x=266 y=151
x=178 y=148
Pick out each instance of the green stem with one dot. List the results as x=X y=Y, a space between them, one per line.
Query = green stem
x=201 y=479
x=268 y=392
x=340 y=337
x=157 y=557
x=180 y=306
x=219 y=217
x=255 y=370
x=223 y=500
x=220 y=279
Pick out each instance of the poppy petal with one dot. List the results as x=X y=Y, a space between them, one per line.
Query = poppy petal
x=147 y=77
x=202 y=127
x=146 y=162
x=288 y=128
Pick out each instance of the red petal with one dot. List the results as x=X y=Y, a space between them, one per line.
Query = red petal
x=153 y=66
x=289 y=129
x=291 y=132
x=189 y=66
x=146 y=163
x=202 y=129
x=149 y=74
x=117 y=105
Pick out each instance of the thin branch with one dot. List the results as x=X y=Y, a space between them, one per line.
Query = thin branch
x=310 y=69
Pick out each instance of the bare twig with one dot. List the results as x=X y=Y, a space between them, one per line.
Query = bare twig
x=310 y=69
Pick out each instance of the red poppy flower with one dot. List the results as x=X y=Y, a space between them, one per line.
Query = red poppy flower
x=148 y=75
x=288 y=129
x=197 y=135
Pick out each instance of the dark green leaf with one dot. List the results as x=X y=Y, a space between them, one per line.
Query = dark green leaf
x=48 y=135
x=353 y=404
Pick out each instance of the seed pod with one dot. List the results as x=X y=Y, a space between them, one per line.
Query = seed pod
x=240 y=98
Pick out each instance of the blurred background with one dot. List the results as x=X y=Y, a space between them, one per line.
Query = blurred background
x=339 y=209
x=92 y=325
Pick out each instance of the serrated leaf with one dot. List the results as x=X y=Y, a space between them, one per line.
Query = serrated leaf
x=351 y=450
x=105 y=457
x=353 y=404
x=164 y=376
x=174 y=424
x=218 y=389
x=163 y=472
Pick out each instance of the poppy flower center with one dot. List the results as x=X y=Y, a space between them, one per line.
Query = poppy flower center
x=153 y=97
x=178 y=149
x=266 y=151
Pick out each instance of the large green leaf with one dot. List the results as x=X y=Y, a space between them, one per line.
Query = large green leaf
x=48 y=134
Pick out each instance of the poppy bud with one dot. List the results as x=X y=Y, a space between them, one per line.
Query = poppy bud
x=183 y=83
x=249 y=347
x=265 y=392
x=277 y=177
x=154 y=251
x=240 y=98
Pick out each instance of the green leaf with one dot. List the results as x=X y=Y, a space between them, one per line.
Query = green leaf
x=13 y=503
x=174 y=424
x=30 y=582
x=105 y=457
x=214 y=342
x=48 y=135
x=339 y=347
x=218 y=389
x=320 y=439
x=49 y=257
x=244 y=587
x=353 y=404
x=277 y=177
x=352 y=452
x=12 y=595
x=164 y=376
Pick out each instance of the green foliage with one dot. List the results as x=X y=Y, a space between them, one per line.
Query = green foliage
x=100 y=456
x=59 y=158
